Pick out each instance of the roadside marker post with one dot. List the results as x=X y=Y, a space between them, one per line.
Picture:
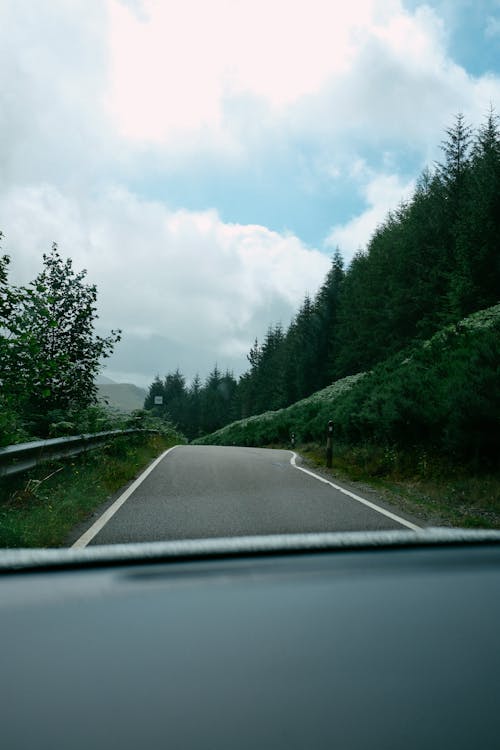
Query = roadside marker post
x=329 y=445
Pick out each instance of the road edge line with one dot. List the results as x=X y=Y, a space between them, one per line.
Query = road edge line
x=96 y=527
x=352 y=495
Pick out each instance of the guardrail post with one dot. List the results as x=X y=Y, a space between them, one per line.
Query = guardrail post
x=329 y=445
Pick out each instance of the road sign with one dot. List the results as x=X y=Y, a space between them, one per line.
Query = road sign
x=158 y=400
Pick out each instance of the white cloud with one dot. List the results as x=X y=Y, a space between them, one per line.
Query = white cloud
x=401 y=89
x=184 y=276
x=367 y=69
x=86 y=87
x=93 y=94
x=172 y=68
x=382 y=193
x=52 y=79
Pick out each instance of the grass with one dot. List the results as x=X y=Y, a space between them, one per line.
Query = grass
x=426 y=487
x=39 y=508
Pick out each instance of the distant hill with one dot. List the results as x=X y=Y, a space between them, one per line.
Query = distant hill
x=103 y=380
x=122 y=396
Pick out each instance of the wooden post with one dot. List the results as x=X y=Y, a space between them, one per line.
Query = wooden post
x=329 y=445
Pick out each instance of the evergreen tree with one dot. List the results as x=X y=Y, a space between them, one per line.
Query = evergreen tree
x=454 y=175
x=269 y=373
x=476 y=281
x=354 y=319
x=453 y=171
x=175 y=399
x=155 y=389
x=434 y=259
x=218 y=400
x=248 y=385
x=421 y=266
x=194 y=408
x=327 y=309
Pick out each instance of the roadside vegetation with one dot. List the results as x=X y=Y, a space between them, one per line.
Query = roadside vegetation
x=439 y=397
x=50 y=355
x=424 y=423
x=435 y=491
x=40 y=508
x=401 y=350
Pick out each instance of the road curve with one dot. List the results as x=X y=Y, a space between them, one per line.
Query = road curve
x=211 y=491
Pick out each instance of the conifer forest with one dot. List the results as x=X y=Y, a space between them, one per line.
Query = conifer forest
x=434 y=261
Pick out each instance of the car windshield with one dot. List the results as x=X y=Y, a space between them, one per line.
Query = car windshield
x=249 y=268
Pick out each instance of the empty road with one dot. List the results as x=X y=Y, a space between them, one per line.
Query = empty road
x=207 y=491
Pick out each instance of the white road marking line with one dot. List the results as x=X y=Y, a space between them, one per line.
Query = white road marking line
x=384 y=512
x=110 y=512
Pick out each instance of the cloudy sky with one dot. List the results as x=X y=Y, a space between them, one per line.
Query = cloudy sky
x=203 y=159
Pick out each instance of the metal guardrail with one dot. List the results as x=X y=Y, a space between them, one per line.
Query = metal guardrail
x=24 y=456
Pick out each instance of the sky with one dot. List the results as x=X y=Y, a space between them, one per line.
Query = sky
x=203 y=160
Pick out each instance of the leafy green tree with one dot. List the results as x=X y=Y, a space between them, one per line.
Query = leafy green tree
x=6 y=305
x=11 y=427
x=8 y=298
x=54 y=353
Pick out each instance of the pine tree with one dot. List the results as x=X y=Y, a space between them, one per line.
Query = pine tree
x=194 y=408
x=175 y=398
x=327 y=308
x=302 y=352
x=268 y=375
x=456 y=148
x=155 y=389
x=476 y=282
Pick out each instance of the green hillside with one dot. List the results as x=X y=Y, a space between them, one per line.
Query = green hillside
x=432 y=262
x=441 y=395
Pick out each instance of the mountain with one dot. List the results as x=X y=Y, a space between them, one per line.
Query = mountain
x=103 y=380
x=125 y=397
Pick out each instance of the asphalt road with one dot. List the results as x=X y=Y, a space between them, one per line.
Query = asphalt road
x=208 y=491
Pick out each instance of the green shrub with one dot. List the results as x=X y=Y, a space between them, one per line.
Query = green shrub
x=12 y=429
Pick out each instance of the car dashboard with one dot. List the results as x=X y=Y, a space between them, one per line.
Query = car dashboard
x=376 y=640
